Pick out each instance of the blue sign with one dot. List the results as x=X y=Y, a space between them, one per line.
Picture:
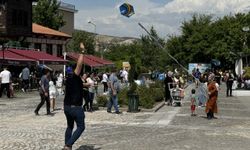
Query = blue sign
x=202 y=67
x=127 y=10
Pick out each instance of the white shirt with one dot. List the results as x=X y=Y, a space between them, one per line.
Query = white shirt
x=52 y=87
x=125 y=75
x=5 y=76
x=104 y=78
x=59 y=81
x=92 y=83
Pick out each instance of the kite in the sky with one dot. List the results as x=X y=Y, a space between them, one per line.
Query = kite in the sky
x=127 y=10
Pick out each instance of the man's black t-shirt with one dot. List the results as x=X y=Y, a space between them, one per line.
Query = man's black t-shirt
x=73 y=91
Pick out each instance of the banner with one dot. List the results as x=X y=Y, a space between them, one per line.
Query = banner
x=202 y=67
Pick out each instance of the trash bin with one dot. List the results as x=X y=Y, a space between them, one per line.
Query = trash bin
x=133 y=102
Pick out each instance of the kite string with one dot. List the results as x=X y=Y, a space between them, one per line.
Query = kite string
x=159 y=44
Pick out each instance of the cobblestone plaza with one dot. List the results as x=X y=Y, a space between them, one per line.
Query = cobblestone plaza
x=169 y=128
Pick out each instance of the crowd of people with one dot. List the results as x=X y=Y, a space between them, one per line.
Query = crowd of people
x=205 y=93
x=80 y=89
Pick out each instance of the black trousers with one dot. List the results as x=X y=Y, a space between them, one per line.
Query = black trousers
x=86 y=99
x=91 y=99
x=105 y=86
x=25 y=84
x=43 y=99
x=229 y=88
x=167 y=95
x=7 y=87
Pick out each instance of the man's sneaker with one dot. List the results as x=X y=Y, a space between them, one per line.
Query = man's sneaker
x=118 y=112
x=108 y=111
x=67 y=148
x=23 y=90
x=49 y=114
x=36 y=113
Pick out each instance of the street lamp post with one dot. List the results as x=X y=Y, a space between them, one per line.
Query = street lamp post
x=90 y=22
x=97 y=43
x=246 y=29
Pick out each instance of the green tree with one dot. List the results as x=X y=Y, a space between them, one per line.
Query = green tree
x=46 y=13
x=122 y=52
x=204 y=38
x=152 y=56
x=82 y=36
x=195 y=38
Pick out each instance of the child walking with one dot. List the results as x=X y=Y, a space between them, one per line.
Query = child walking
x=193 y=102
x=52 y=94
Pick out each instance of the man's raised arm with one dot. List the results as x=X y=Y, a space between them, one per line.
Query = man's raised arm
x=80 y=60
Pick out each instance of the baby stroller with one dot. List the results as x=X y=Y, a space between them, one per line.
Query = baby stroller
x=176 y=94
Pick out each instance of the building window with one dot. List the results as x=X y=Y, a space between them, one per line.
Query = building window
x=14 y=17
x=59 y=50
x=19 y=17
x=49 y=49
x=38 y=46
x=2 y=2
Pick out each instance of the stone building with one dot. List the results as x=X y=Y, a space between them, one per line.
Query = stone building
x=15 y=21
x=68 y=11
x=48 y=40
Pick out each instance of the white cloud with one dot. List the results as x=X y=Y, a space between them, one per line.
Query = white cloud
x=165 y=18
x=205 y=6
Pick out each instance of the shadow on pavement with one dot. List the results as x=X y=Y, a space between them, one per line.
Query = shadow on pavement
x=88 y=147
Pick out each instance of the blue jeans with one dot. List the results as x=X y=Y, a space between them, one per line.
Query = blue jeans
x=74 y=113
x=113 y=100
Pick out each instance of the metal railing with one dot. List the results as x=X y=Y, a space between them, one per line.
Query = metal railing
x=20 y=48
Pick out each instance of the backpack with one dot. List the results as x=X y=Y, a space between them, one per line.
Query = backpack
x=117 y=86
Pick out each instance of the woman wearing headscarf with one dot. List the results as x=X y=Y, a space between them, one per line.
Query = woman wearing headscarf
x=211 y=106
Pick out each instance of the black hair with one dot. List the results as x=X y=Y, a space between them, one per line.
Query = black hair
x=193 y=91
x=45 y=71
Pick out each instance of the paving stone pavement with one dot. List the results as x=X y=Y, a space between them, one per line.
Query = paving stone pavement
x=171 y=128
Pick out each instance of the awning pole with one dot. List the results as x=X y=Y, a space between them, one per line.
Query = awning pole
x=64 y=66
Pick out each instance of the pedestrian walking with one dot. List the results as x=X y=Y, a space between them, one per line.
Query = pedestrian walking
x=168 y=85
x=44 y=92
x=193 y=102
x=59 y=84
x=5 y=80
x=96 y=79
x=114 y=87
x=229 y=81
x=217 y=77
x=85 y=92
x=105 y=82
x=197 y=75
x=25 y=76
x=52 y=94
x=73 y=101
x=91 y=83
x=124 y=76
x=211 y=106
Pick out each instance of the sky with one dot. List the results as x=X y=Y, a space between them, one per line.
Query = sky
x=166 y=16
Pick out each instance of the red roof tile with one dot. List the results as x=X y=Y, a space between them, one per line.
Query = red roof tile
x=86 y=60
x=100 y=60
x=39 y=29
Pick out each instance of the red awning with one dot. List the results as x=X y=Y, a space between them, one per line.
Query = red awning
x=42 y=57
x=13 y=58
x=100 y=60
x=86 y=60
